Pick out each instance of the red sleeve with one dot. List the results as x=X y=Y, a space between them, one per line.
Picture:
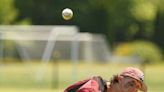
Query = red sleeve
x=90 y=86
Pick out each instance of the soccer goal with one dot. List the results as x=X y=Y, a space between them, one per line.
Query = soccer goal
x=31 y=54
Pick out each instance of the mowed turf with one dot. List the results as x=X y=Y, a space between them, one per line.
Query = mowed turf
x=54 y=77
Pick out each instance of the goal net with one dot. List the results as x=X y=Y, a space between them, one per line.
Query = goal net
x=30 y=55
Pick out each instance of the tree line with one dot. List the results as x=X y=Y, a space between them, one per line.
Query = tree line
x=119 y=20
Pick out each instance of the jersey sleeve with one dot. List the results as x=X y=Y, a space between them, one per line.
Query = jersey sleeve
x=90 y=86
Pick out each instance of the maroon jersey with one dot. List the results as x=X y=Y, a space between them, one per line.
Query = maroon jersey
x=94 y=84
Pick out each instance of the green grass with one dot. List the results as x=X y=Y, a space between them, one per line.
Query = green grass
x=33 y=77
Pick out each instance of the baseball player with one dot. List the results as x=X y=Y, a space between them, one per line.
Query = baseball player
x=129 y=80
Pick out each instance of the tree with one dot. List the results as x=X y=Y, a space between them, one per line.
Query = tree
x=8 y=12
x=119 y=20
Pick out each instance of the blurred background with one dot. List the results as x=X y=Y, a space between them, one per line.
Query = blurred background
x=42 y=52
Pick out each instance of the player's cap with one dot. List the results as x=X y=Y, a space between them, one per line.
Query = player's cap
x=136 y=74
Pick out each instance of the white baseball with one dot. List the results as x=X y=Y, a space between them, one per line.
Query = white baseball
x=67 y=14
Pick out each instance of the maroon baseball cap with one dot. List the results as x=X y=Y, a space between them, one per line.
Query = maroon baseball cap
x=136 y=74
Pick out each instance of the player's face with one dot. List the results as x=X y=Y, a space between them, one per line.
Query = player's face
x=130 y=85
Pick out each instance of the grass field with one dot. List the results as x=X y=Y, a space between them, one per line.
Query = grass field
x=34 y=77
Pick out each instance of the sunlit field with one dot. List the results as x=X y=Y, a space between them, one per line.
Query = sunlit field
x=54 y=77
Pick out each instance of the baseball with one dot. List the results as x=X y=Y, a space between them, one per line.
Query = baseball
x=67 y=14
